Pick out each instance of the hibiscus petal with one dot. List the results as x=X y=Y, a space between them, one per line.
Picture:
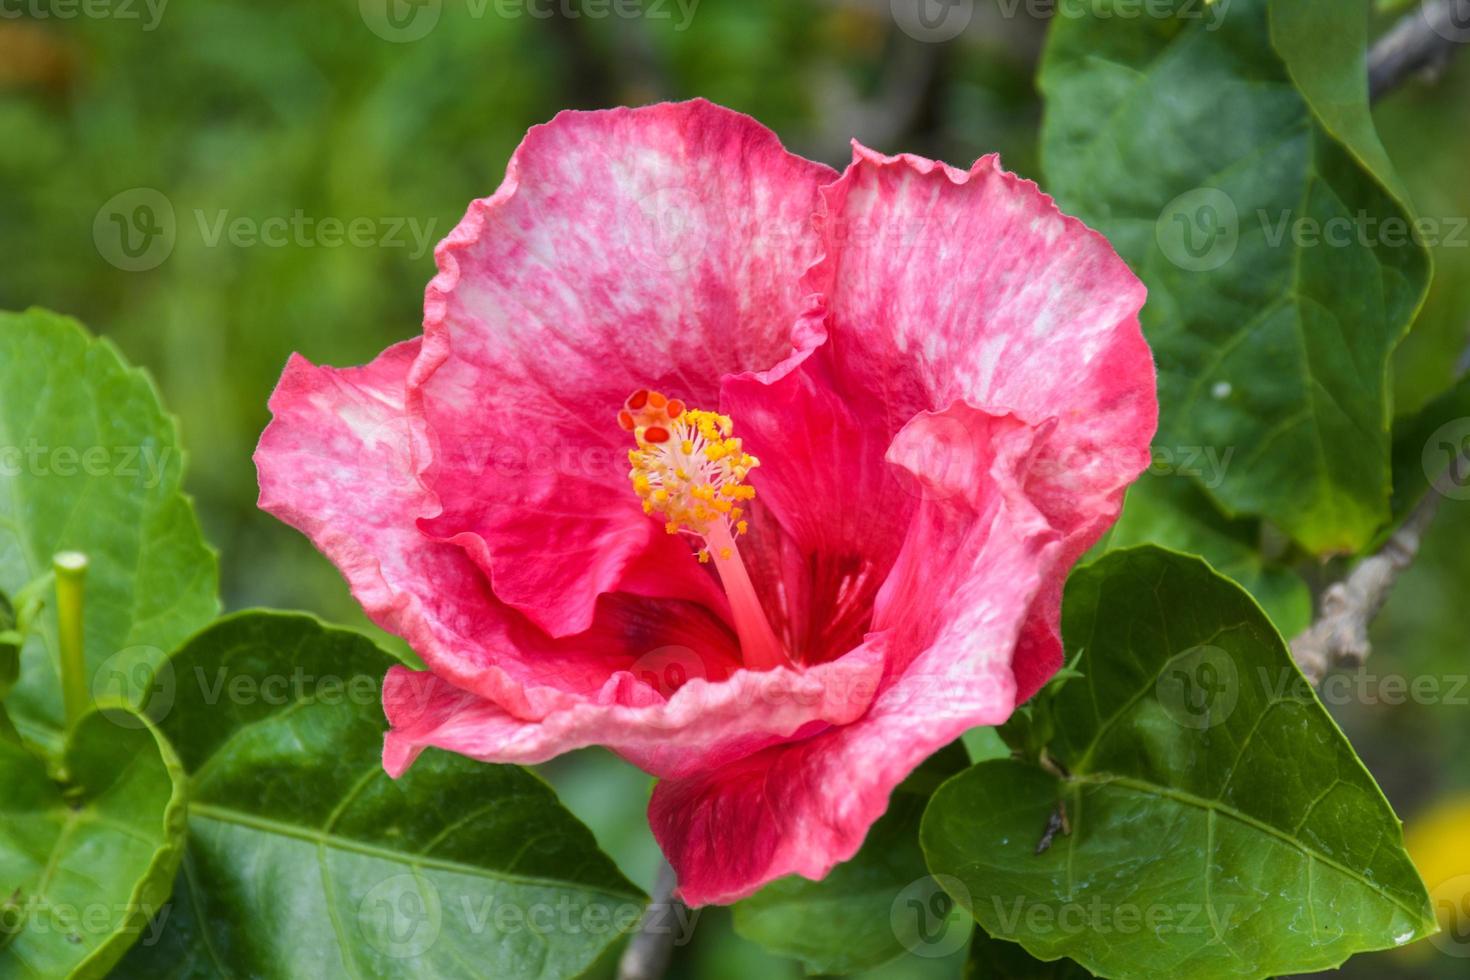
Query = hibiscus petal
x=655 y=247
x=340 y=462
x=802 y=807
x=944 y=285
x=707 y=722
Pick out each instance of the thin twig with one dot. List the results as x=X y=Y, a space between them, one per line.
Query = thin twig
x=652 y=946
x=1421 y=43
x=1339 y=637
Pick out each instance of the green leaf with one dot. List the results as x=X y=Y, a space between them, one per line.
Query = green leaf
x=993 y=959
x=1220 y=824
x=871 y=908
x=1217 y=166
x=86 y=862
x=305 y=859
x=1174 y=512
x=90 y=462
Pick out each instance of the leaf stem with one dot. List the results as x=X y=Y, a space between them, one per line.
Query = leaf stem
x=71 y=575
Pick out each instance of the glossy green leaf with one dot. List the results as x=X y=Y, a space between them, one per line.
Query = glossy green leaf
x=87 y=861
x=872 y=908
x=1269 y=228
x=90 y=462
x=304 y=859
x=1171 y=511
x=1220 y=824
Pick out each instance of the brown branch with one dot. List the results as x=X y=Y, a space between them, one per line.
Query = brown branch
x=1421 y=43
x=1339 y=637
x=652 y=946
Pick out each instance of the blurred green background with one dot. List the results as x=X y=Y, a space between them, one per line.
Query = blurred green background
x=270 y=109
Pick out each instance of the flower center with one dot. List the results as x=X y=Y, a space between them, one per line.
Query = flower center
x=691 y=471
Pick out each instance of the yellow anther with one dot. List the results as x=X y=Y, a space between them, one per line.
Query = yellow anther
x=688 y=468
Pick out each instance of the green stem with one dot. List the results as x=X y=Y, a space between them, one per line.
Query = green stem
x=71 y=574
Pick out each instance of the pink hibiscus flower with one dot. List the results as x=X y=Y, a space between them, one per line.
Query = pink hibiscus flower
x=766 y=478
